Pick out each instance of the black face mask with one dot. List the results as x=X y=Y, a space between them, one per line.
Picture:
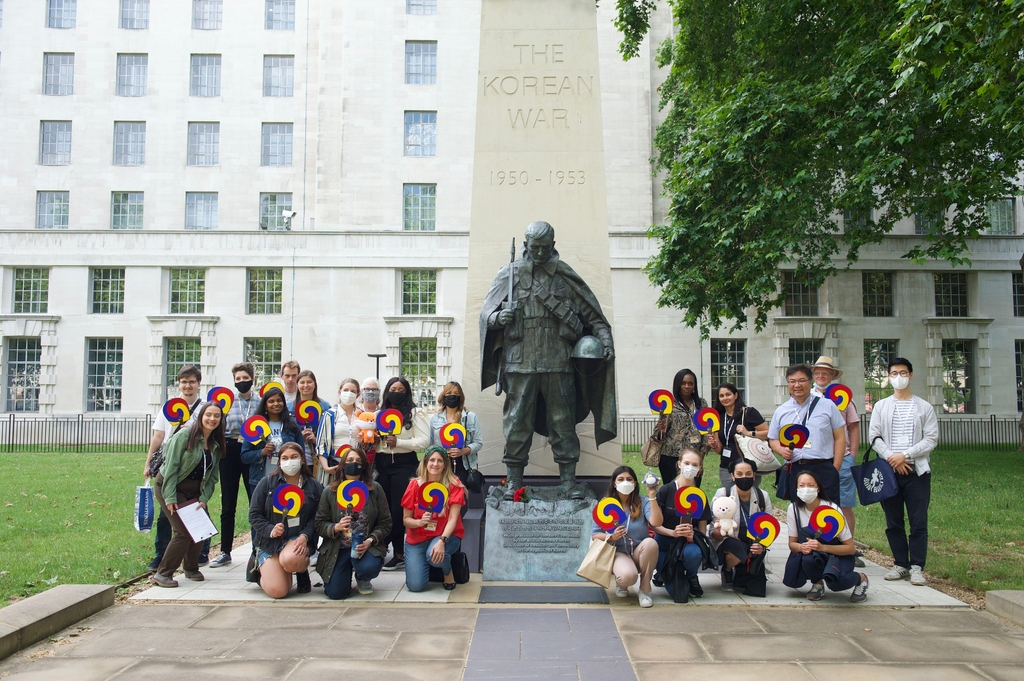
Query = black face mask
x=397 y=399
x=243 y=386
x=452 y=401
x=354 y=468
x=744 y=484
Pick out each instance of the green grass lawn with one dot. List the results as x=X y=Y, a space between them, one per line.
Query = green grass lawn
x=975 y=523
x=67 y=519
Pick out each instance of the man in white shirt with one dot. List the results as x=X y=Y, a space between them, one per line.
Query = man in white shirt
x=905 y=430
x=823 y=452
x=290 y=380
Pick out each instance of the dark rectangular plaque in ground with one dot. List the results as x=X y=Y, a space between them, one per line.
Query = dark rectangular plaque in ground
x=542 y=594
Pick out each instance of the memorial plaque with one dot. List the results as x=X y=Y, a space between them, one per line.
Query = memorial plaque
x=542 y=541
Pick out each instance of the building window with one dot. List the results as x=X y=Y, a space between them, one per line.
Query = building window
x=801 y=298
x=31 y=290
x=856 y=219
x=280 y=15
x=420 y=205
x=207 y=15
x=188 y=291
x=55 y=143
x=804 y=351
x=203 y=144
x=23 y=369
x=878 y=296
x=132 y=75
x=729 y=364
x=59 y=73
x=134 y=13
x=126 y=210
x=205 y=80
x=103 y=364
x=264 y=291
x=1000 y=217
x=108 y=290
x=52 y=210
x=129 y=143
x=958 y=377
x=277 y=144
x=278 y=75
x=201 y=210
x=1018 y=353
x=421 y=6
x=420 y=62
x=877 y=354
x=927 y=219
x=61 y=13
x=420 y=133
x=418 y=364
x=1018 y=294
x=272 y=209
x=419 y=291
x=265 y=356
x=951 y=294
x=177 y=353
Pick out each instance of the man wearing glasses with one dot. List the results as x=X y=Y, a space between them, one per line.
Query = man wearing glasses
x=908 y=430
x=823 y=452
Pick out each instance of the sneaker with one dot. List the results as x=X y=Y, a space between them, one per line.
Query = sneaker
x=221 y=560
x=656 y=580
x=622 y=593
x=917 y=575
x=695 y=588
x=159 y=580
x=195 y=575
x=726 y=580
x=645 y=600
x=364 y=587
x=860 y=592
x=859 y=562
x=817 y=592
x=204 y=561
x=395 y=563
x=897 y=573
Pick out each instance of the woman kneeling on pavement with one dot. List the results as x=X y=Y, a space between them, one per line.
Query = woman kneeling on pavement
x=672 y=527
x=738 y=554
x=811 y=560
x=635 y=552
x=353 y=542
x=432 y=538
x=283 y=542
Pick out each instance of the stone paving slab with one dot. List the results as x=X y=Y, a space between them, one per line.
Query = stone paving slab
x=669 y=671
x=952 y=647
x=914 y=672
x=389 y=670
x=1003 y=672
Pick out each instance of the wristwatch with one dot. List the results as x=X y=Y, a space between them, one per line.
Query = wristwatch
x=444 y=539
x=373 y=540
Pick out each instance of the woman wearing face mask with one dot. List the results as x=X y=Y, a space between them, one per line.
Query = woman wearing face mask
x=263 y=457
x=737 y=419
x=369 y=395
x=431 y=539
x=307 y=391
x=734 y=553
x=453 y=410
x=353 y=542
x=337 y=428
x=635 y=552
x=284 y=542
x=396 y=459
x=673 y=528
x=677 y=429
x=811 y=560
x=189 y=473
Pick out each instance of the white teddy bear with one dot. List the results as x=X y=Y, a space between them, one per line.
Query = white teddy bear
x=725 y=509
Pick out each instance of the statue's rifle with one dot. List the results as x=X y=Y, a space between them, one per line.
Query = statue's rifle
x=510 y=303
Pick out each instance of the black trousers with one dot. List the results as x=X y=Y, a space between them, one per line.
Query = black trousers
x=232 y=472
x=825 y=471
x=394 y=474
x=915 y=493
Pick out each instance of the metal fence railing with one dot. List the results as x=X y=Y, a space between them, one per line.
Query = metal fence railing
x=74 y=433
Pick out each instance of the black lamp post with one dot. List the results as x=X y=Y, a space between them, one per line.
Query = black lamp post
x=377 y=357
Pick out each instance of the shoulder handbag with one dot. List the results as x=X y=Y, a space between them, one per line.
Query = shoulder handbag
x=758 y=451
x=875 y=479
x=650 y=453
x=597 y=564
x=783 y=473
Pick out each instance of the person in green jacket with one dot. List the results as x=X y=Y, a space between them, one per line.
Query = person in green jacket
x=189 y=473
x=339 y=528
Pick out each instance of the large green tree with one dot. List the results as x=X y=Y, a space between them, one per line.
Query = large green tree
x=784 y=114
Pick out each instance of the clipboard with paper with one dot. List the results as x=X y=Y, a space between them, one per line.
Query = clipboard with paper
x=197 y=521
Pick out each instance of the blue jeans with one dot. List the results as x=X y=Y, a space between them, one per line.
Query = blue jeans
x=340 y=584
x=418 y=563
x=847 y=487
x=691 y=558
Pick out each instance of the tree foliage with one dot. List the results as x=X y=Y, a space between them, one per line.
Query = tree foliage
x=783 y=114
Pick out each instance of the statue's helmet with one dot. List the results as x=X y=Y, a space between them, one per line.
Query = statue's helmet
x=588 y=347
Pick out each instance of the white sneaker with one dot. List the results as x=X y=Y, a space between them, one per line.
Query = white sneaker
x=645 y=600
x=897 y=573
x=917 y=575
x=364 y=587
x=622 y=593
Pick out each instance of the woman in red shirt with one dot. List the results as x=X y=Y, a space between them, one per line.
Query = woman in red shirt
x=432 y=538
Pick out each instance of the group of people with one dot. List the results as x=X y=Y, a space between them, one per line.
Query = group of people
x=188 y=460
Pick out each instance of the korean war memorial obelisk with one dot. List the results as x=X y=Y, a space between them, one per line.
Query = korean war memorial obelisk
x=538 y=178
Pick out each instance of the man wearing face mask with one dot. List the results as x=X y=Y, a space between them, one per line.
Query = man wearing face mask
x=232 y=469
x=908 y=430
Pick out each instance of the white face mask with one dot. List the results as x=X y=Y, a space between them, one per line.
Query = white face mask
x=347 y=397
x=807 y=494
x=690 y=472
x=900 y=382
x=291 y=466
x=821 y=387
x=625 y=487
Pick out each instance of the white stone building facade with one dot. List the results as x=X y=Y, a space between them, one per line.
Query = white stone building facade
x=217 y=180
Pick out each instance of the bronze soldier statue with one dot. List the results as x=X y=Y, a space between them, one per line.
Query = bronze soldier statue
x=548 y=346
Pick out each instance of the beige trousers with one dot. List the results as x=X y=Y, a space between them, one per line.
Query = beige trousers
x=626 y=568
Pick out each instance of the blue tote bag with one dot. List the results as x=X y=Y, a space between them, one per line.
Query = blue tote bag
x=875 y=478
x=145 y=508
